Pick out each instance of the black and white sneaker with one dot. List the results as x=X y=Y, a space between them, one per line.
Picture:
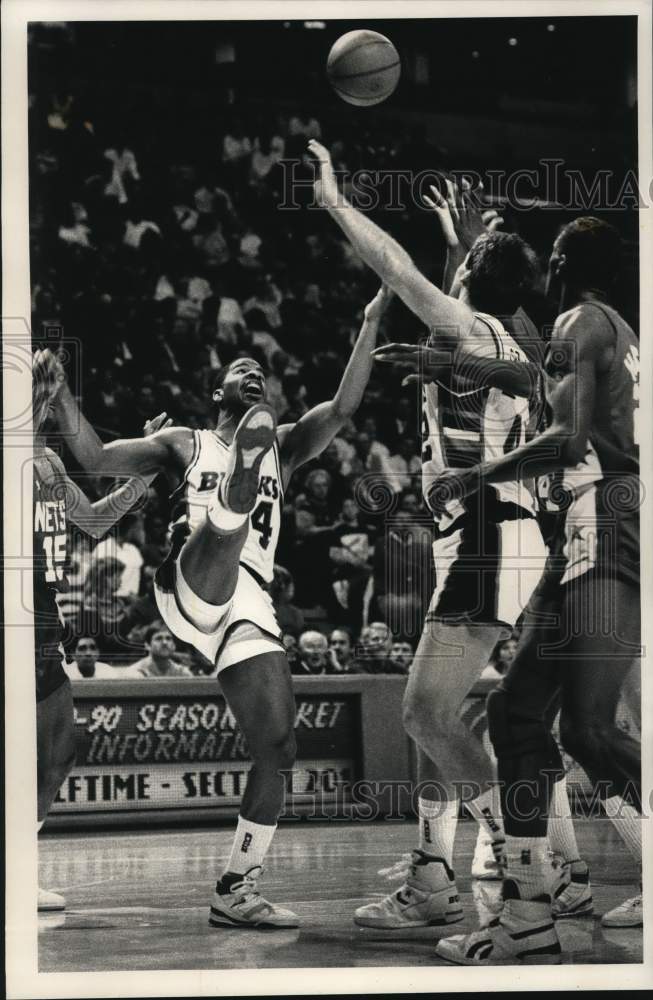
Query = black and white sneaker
x=524 y=934
x=238 y=903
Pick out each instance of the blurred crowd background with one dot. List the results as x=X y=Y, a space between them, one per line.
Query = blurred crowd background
x=171 y=231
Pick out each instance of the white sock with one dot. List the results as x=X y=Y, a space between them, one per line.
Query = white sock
x=221 y=517
x=486 y=810
x=251 y=844
x=528 y=864
x=628 y=824
x=437 y=827
x=560 y=829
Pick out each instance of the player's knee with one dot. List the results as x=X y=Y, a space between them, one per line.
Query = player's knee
x=584 y=740
x=515 y=733
x=278 y=750
x=416 y=717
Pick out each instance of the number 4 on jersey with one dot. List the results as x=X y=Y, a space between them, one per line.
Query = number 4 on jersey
x=261 y=521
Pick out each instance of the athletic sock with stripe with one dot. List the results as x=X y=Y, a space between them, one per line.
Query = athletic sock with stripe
x=437 y=828
x=250 y=846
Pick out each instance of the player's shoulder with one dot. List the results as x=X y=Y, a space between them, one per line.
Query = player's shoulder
x=582 y=321
x=182 y=442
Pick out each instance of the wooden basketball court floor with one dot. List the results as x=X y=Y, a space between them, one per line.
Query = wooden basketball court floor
x=139 y=900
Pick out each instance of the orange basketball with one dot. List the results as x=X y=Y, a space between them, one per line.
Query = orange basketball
x=363 y=67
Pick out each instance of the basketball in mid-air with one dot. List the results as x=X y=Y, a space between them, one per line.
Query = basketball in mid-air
x=363 y=67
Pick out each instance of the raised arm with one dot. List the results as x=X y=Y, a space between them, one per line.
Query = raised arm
x=166 y=449
x=462 y=222
x=385 y=256
x=316 y=429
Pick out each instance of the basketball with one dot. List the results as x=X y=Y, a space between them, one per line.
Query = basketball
x=363 y=67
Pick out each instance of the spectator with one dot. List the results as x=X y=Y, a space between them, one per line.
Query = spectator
x=124 y=168
x=502 y=657
x=401 y=655
x=282 y=591
x=350 y=554
x=405 y=464
x=342 y=651
x=304 y=123
x=313 y=654
x=403 y=573
x=267 y=152
x=86 y=665
x=126 y=546
x=315 y=515
x=103 y=615
x=292 y=649
x=374 y=654
x=235 y=144
x=267 y=298
x=159 y=662
x=136 y=227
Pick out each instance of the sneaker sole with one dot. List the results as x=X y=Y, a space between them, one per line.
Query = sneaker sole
x=621 y=927
x=239 y=487
x=582 y=911
x=223 y=921
x=444 y=922
x=509 y=960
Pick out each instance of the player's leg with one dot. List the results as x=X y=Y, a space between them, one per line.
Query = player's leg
x=604 y=620
x=208 y=562
x=55 y=747
x=259 y=693
x=447 y=664
x=494 y=585
x=55 y=744
x=527 y=760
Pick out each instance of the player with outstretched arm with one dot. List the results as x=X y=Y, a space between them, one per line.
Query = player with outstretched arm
x=212 y=588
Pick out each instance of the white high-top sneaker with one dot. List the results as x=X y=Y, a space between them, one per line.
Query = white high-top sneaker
x=428 y=897
x=524 y=934
x=238 y=903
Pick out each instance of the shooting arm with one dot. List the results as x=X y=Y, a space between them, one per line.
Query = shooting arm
x=396 y=269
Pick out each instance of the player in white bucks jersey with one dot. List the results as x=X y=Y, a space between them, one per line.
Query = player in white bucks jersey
x=212 y=588
x=489 y=553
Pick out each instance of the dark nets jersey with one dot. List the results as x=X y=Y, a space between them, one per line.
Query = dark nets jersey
x=597 y=501
x=49 y=559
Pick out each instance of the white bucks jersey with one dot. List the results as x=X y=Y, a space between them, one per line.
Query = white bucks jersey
x=191 y=498
x=464 y=425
